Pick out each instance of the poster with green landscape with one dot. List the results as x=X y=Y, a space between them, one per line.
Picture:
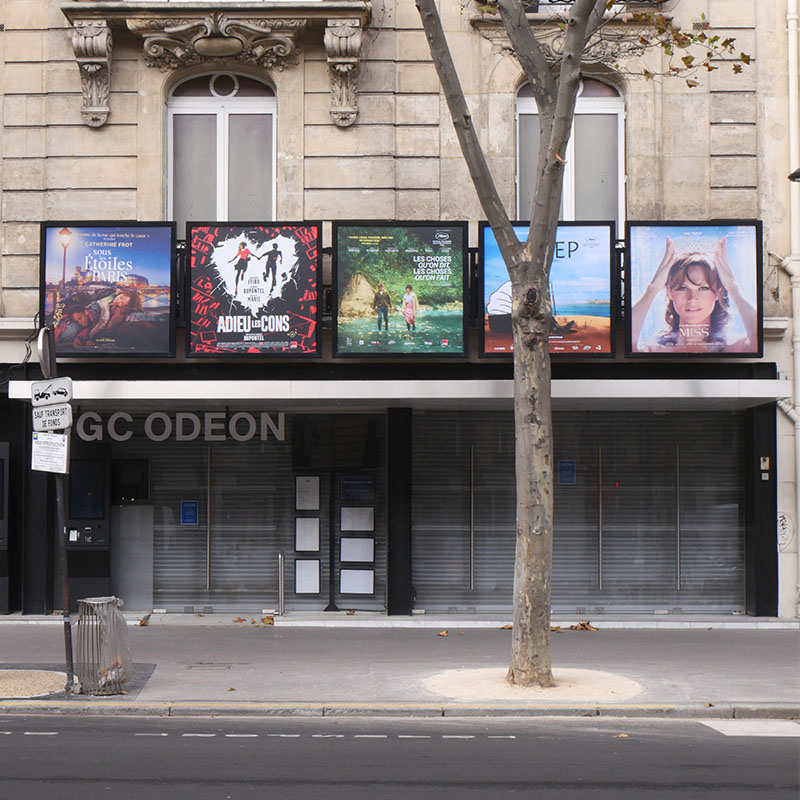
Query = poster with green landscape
x=400 y=288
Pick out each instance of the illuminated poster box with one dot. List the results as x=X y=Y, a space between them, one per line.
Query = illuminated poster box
x=694 y=289
x=108 y=288
x=582 y=291
x=253 y=289
x=400 y=289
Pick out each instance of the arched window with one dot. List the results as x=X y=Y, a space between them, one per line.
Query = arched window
x=594 y=175
x=221 y=149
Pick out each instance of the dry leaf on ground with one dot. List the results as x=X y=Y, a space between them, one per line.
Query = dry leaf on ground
x=442 y=633
x=268 y=620
x=583 y=626
x=621 y=736
x=505 y=628
x=350 y=613
x=238 y=619
x=556 y=629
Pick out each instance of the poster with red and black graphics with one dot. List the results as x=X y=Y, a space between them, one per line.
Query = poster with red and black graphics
x=253 y=289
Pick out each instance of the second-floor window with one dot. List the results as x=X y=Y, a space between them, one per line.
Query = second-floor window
x=594 y=176
x=221 y=150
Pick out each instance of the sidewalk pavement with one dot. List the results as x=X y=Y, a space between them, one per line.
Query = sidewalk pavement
x=213 y=665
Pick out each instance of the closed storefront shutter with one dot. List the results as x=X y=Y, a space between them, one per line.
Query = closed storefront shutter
x=249 y=489
x=463 y=529
x=649 y=511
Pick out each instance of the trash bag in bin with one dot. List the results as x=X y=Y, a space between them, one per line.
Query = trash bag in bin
x=103 y=661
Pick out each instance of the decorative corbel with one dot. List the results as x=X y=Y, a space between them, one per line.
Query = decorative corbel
x=343 y=46
x=91 y=41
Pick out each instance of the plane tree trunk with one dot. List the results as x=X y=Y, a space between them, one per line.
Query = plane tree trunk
x=528 y=265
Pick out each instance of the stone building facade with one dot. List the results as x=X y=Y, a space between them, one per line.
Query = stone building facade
x=362 y=132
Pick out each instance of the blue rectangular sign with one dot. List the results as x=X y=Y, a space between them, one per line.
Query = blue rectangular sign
x=190 y=512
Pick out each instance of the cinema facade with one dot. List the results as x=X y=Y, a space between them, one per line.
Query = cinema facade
x=268 y=444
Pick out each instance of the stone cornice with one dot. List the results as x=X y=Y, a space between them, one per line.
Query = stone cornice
x=175 y=35
x=120 y=11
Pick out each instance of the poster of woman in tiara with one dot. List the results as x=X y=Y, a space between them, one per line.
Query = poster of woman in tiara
x=693 y=288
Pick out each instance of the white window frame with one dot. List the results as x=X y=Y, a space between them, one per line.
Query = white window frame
x=583 y=105
x=223 y=108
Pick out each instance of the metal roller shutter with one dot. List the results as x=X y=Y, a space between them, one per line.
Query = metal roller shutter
x=665 y=533
x=252 y=507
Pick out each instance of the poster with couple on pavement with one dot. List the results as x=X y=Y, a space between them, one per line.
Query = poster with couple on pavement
x=253 y=289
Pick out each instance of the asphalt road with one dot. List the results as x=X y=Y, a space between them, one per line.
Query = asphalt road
x=134 y=758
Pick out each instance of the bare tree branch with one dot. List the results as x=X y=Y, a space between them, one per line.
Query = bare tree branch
x=528 y=52
x=547 y=197
x=467 y=137
x=596 y=17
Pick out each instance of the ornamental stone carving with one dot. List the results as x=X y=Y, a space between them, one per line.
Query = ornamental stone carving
x=92 y=42
x=343 y=47
x=172 y=43
x=606 y=47
x=179 y=34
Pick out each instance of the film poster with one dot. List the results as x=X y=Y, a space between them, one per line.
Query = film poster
x=107 y=290
x=253 y=289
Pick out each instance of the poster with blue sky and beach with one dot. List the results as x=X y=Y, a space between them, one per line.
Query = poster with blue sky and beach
x=580 y=291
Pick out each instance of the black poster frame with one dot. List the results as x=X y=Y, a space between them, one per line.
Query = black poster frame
x=613 y=299
x=759 y=288
x=266 y=354
x=463 y=227
x=100 y=225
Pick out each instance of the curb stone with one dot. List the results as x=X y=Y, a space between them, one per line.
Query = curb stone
x=199 y=709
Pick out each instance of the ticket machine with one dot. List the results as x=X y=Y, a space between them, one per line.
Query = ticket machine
x=88 y=525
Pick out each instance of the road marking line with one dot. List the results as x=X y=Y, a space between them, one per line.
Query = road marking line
x=241 y=735
x=285 y=735
x=754 y=727
x=5 y=733
x=501 y=737
x=40 y=733
x=411 y=736
x=327 y=736
x=370 y=736
x=200 y=735
x=151 y=734
x=446 y=736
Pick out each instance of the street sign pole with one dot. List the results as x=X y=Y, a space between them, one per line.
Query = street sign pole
x=61 y=535
x=47 y=361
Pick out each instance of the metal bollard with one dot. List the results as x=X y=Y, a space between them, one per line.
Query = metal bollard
x=281 y=585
